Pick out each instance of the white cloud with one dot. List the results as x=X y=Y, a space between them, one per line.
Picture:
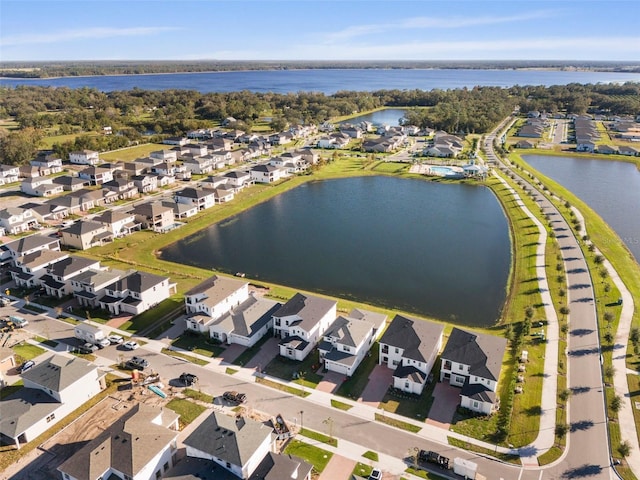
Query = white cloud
x=577 y=48
x=81 y=34
x=434 y=23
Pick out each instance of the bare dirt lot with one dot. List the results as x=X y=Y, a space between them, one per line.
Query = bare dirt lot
x=41 y=464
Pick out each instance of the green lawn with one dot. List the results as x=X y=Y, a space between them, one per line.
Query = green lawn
x=11 y=389
x=184 y=356
x=340 y=405
x=163 y=313
x=26 y=351
x=317 y=457
x=187 y=410
x=199 y=344
x=353 y=386
x=362 y=469
x=302 y=373
x=132 y=153
x=371 y=455
x=248 y=354
x=320 y=437
x=397 y=423
x=284 y=388
x=196 y=395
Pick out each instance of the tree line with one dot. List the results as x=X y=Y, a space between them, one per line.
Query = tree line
x=135 y=113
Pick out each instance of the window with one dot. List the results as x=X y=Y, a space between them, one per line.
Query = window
x=460 y=367
x=158 y=474
x=51 y=417
x=447 y=365
x=397 y=350
x=476 y=404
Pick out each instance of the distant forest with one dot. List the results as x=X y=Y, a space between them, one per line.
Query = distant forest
x=134 y=114
x=94 y=68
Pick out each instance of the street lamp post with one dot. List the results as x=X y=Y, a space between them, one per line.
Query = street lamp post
x=301 y=420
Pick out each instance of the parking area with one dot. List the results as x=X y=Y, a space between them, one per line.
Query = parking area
x=380 y=380
x=267 y=352
x=445 y=401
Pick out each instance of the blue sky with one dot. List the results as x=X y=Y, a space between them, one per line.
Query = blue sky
x=319 y=30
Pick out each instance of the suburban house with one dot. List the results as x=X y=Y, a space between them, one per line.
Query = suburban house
x=71 y=184
x=29 y=171
x=52 y=389
x=140 y=445
x=237 y=444
x=40 y=187
x=349 y=339
x=84 y=157
x=85 y=234
x=238 y=179
x=57 y=280
x=96 y=175
x=51 y=162
x=16 y=220
x=136 y=292
x=410 y=346
x=90 y=286
x=153 y=215
x=118 y=223
x=181 y=210
x=124 y=187
x=199 y=197
x=7 y=362
x=211 y=299
x=267 y=173
x=196 y=149
x=29 y=268
x=145 y=183
x=223 y=195
x=45 y=212
x=301 y=322
x=473 y=361
x=198 y=165
x=30 y=244
x=9 y=174
x=175 y=141
x=164 y=155
x=246 y=323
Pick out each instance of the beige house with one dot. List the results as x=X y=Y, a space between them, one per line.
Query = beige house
x=85 y=234
x=154 y=216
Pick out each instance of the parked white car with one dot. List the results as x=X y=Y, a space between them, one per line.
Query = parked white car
x=115 y=339
x=130 y=345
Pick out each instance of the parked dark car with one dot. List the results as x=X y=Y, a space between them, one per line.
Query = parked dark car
x=188 y=379
x=234 y=397
x=136 y=363
x=433 y=457
x=86 y=348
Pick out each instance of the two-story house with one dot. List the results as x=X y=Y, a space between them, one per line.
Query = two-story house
x=238 y=179
x=52 y=390
x=246 y=323
x=16 y=220
x=267 y=173
x=71 y=184
x=119 y=223
x=29 y=268
x=164 y=155
x=51 y=162
x=85 y=234
x=301 y=322
x=96 y=175
x=211 y=299
x=136 y=292
x=57 y=280
x=198 y=165
x=9 y=174
x=90 y=286
x=473 y=361
x=154 y=216
x=40 y=187
x=124 y=187
x=30 y=244
x=199 y=197
x=84 y=157
x=348 y=340
x=140 y=445
x=145 y=183
x=410 y=347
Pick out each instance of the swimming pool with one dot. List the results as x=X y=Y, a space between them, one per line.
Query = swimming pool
x=442 y=171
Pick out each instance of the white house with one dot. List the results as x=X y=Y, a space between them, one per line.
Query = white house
x=410 y=346
x=85 y=234
x=90 y=286
x=245 y=324
x=30 y=268
x=118 y=222
x=199 y=197
x=16 y=220
x=213 y=298
x=348 y=340
x=238 y=179
x=267 y=173
x=57 y=280
x=301 y=322
x=164 y=155
x=139 y=445
x=40 y=187
x=236 y=444
x=473 y=361
x=84 y=157
x=52 y=390
x=30 y=244
x=136 y=292
x=51 y=162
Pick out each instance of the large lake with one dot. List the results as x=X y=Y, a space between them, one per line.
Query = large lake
x=329 y=81
x=387 y=116
x=611 y=188
x=432 y=249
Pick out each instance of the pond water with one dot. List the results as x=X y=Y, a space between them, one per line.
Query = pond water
x=427 y=248
x=611 y=188
x=388 y=116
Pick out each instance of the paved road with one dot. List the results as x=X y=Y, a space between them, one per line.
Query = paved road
x=587 y=453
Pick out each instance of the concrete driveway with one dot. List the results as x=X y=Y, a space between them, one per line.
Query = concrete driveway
x=338 y=468
x=445 y=401
x=330 y=382
x=232 y=352
x=268 y=352
x=380 y=380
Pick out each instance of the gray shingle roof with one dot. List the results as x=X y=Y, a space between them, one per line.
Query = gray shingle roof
x=30 y=242
x=483 y=353
x=231 y=440
x=249 y=317
x=69 y=265
x=418 y=338
x=216 y=288
x=59 y=372
x=136 y=281
x=308 y=308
